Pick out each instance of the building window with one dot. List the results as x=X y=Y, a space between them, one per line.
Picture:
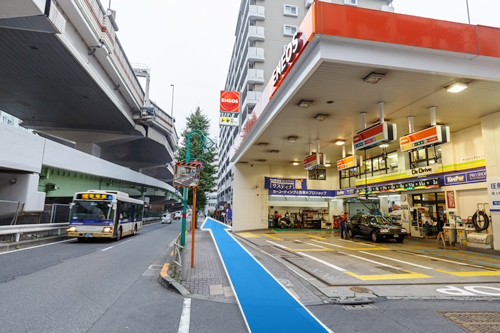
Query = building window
x=289 y=30
x=375 y=166
x=351 y=2
x=425 y=157
x=6 y=120
x=289 y=10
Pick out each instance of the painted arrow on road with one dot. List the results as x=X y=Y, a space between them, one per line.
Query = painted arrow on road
x=266 y=305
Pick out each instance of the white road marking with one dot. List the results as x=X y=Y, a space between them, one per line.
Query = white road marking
x=116 y=245
x=327 y=243
x=314 y=245
x=282 y=246
x=345 y=240
x=36 y=247
x=401 y=261
x=372 y=261
x=322 y=261
x=185 y=316
x=453 y=262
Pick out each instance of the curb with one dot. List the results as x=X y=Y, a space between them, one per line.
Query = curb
x=30 y=243
x=173 y=285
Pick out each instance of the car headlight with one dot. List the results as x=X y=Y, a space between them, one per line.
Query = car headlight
x=403 y=231
x=71 y=229
x=384 y=230
x=107 y=229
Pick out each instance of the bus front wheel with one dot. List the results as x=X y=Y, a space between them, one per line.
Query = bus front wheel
x=119 y=235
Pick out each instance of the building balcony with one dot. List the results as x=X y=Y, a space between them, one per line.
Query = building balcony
x=256 y=33
x=255 y=76
x=251 y=99
x=255 y=54
x=257 y=13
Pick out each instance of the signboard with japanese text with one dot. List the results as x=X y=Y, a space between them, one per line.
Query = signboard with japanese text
x=229 y=101
x=228 y=121
x=346 y=191
x=304 y=193
x=406 y=186
x=434 y=135
x=313 y=161
x=347 y=163
x=460 y=178
x=285 y=184
x=494 y=193
x=374 y=136
x=450 y=199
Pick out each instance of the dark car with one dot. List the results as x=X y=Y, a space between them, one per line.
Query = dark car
x=374 y=227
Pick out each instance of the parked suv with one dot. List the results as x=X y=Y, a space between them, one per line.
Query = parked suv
x=374 y=227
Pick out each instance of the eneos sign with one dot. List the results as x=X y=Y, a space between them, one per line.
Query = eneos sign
x=374 y=136
x=229 y=101
x=288 y=59
x=346 y=163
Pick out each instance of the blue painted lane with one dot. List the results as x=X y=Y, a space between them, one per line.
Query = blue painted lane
x=266 y=305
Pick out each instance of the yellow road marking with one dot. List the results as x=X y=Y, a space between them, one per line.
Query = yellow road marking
x=487 y=273
x=247 y=235
x=304 y=250
x=172 y=253
x=410 y=275
x=366 y=249
x=273 y=237
x=164 y=270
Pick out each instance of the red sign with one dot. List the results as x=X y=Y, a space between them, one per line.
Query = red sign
x=229 y=101
x=348 y=162
x=313 y=161
x=375 y=135
x=450 y=196
x=429 y=136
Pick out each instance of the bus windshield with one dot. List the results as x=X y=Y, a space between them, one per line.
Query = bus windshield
x=92 y=210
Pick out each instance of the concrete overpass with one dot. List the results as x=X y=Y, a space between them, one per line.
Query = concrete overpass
x=65 y=74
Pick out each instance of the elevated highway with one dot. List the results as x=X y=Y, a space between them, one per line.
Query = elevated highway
x=65 y=74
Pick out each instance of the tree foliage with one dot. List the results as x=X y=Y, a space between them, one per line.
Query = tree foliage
x=198 y=121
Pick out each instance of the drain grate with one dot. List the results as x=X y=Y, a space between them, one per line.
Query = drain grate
x=359 y=307
x=473 y=321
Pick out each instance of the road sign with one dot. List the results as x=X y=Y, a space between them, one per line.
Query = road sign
x=187 y=175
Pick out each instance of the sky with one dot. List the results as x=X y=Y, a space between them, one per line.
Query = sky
x=189 y=44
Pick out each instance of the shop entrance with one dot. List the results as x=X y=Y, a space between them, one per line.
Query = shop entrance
x=435 y=204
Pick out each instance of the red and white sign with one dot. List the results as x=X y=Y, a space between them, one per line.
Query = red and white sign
x=229 y=101
x=375 y=135
x=346 y=163
x=313 y=161
x=450 y=199
x=430 y=136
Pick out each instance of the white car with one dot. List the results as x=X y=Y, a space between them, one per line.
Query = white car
x=166 y=218
x=177 y=215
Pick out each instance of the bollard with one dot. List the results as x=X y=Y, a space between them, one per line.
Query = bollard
x=17 y=237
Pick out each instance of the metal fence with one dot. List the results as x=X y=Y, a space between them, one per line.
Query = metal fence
x=9 y=211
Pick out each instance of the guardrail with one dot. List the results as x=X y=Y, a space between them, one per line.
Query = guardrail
x=19 y=229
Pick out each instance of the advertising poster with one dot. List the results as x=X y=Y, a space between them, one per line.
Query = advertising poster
x=494 y=193
x=394 y=203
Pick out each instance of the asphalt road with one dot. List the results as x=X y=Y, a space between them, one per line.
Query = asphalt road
x=101 y=286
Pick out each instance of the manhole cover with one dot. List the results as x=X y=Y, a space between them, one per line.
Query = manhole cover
x=359 y=290
x=473 y=321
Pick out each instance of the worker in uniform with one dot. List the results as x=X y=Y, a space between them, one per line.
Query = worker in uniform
x=343 y=230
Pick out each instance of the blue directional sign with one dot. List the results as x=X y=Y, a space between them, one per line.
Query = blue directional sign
x=266 y=305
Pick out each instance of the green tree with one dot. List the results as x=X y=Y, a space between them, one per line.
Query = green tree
x=198 y=121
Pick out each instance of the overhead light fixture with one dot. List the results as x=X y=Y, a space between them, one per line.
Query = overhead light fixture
x=275 y=151
x=243 y=162
x=321 y=117
x=340 y=142
x=385 y=145
x=13 y=181
x=329 y=102
x=327 y=164
x=261 y=160
x=305 y=104
x=263 y=144
x=457 y=87
x=292 y=138
x=295 y=163
x=374 y=78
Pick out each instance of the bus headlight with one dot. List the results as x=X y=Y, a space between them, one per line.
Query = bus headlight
x=71 y=229
x=107 y=229
x=403 y=231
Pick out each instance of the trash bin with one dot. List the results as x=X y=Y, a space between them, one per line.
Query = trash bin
x=449 y=232
x=461 y=234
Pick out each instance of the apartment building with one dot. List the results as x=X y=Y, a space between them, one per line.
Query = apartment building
x=263 y=30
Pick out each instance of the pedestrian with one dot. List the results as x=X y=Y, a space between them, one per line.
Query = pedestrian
x=343 y=220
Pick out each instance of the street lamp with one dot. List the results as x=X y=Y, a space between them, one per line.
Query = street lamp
x=206 y=145
x=173 y=89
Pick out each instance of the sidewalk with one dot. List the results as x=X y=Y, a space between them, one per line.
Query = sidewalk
x=208 y=279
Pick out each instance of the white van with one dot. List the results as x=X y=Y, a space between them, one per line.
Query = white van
x=166 y=218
